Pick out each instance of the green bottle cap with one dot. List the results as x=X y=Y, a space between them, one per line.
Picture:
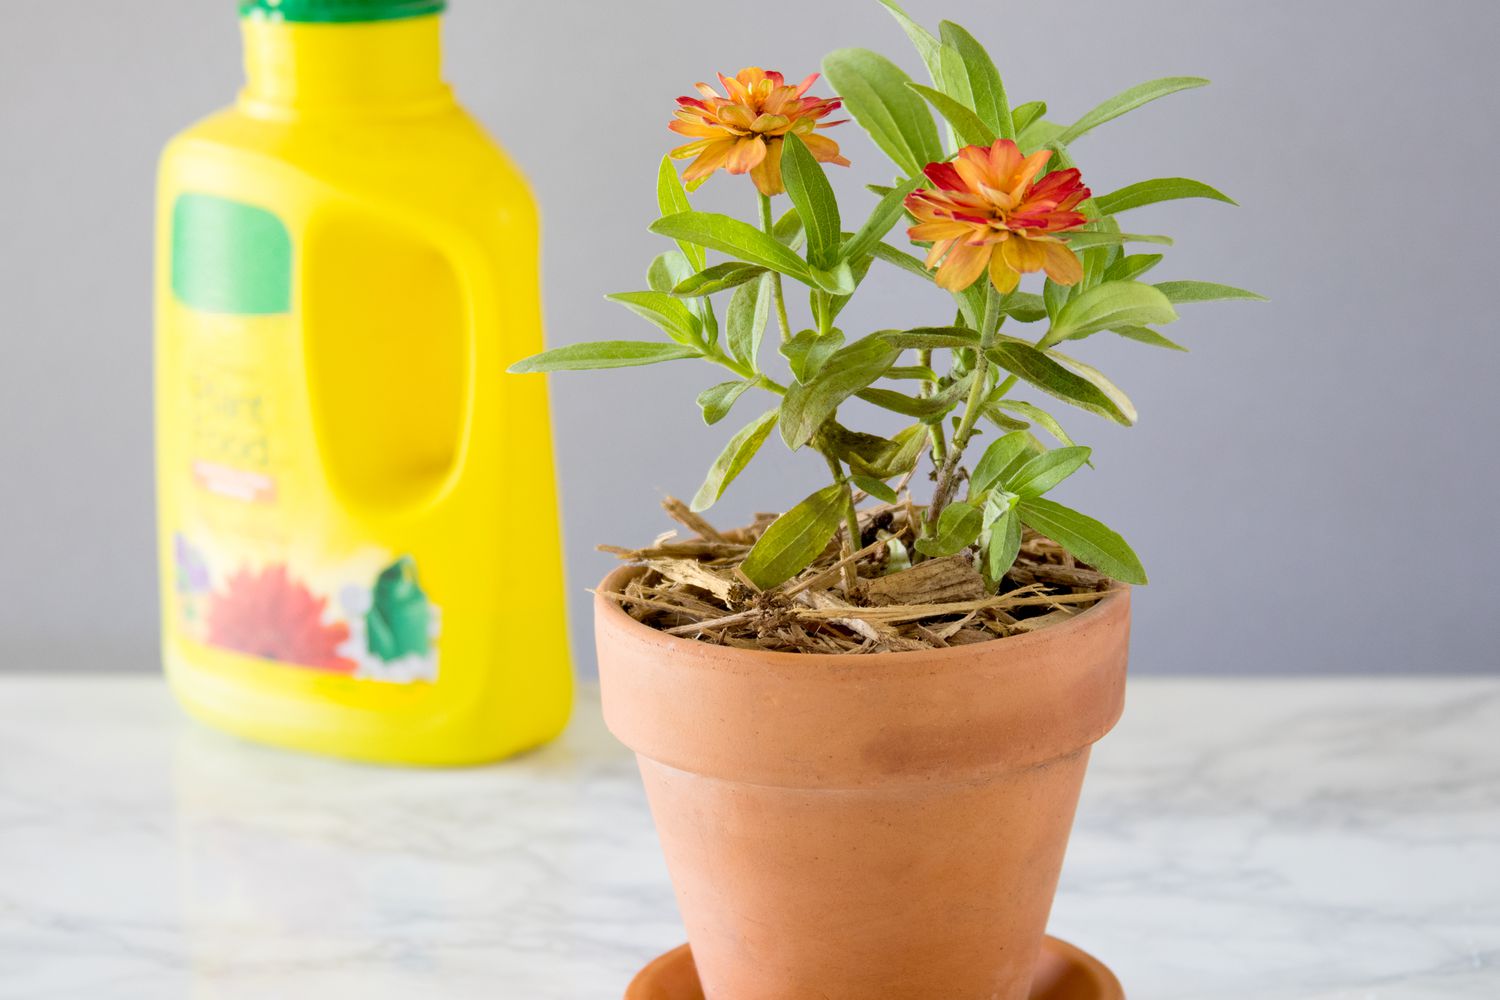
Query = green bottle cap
x=338 y=11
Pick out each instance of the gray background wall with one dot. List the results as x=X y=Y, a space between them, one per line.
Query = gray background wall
x=1313 y=488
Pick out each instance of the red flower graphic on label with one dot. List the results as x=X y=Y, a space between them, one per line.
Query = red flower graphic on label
x=270 y=615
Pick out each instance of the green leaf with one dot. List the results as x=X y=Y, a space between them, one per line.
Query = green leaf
x=926 y=44
x=1205 y=291
x=1129 y=100
x=674 y=318
x=795 y=538
x=816 y=205
x=1096 y=260
x=874 y=90
x=1132 y=266
x=848 y=370
x=927 y=338
x=906 y=447
x=749 y=308
x=398 y=623
x=738 y=239
x=716 y=400
x=996 y=504
x=1042 y=473
x=921 y=407
x=667 y=270
x=601 y=354
x=839 y=281
x=965 y=122
x=858 y=268
x=887 y=213
x=971 y=302
x=1146 y=335
x=1001 y=458
x=1083 y=239
x=1084 y=537
x=958 y=527
x=733 y=459
x=1025 y=307
x=720 y=277
x=1038 y=134
x=1115 y=303
x=1005 y=545
x=894 y=457
x=807 y=351
x=1158 y=190
x=1024 y=114
x=672 y=199
x=1003 y=420
x=925 y=408
x=919 y=373
x=986 y=89
x=1103 y=384
x=905 y=261
x=788 y=229
x=945 y=65
x=874 y=487
x=1048 y=375
x=1035 y=413
x=1054 y=297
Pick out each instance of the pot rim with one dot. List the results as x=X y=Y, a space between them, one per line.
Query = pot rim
x=924 y=657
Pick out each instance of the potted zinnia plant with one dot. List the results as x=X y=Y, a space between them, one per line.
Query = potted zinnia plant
x=863 y=724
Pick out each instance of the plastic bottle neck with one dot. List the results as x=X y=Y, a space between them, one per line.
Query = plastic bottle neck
x=380 y=67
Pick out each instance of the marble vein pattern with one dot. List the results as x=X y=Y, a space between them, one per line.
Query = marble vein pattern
x=1237 y=840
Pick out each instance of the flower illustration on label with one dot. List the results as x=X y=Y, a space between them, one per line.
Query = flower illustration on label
x=266 y=613
x=385 y=631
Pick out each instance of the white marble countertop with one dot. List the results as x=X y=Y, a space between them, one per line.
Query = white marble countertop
x=1238 y=840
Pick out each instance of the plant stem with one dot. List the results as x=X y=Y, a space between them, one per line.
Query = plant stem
x=851 y=519
x=718 y=357
x=769 y=225
x=947 y=481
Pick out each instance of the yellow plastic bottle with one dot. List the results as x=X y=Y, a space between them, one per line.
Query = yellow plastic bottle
x=359 y=544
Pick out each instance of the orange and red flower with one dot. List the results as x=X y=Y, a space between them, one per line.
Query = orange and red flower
x=989 y=211
x=744 y=132
x=270 y=615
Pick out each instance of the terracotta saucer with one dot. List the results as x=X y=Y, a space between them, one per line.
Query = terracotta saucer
x=1063 y=973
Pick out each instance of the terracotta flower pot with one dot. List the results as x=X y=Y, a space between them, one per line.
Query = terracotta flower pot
x=885 y=827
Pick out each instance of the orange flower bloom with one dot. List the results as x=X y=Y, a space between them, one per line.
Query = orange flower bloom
x=986 y=212
x=744 y=133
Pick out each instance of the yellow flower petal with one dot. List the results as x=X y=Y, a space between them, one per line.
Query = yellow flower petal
x=712 y=159
x=823 y=149
x=737 y=116
x=767 y=173
x=770 y=123
x=1062 y=263
x=1022 y=254
x=1002 y=277
x=962 y=267
x=935 y=255
x=745 y=155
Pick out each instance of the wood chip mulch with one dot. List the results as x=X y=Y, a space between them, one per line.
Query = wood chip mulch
x=691 y=585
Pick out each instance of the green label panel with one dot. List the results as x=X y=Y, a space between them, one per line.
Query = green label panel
x=230 y=257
